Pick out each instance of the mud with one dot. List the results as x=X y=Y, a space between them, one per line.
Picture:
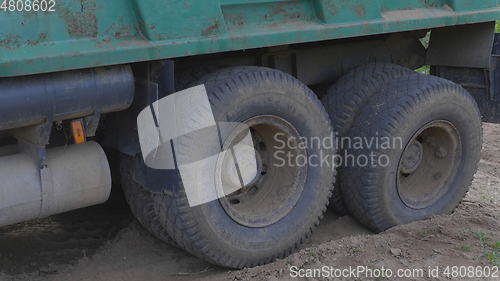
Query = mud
x=105 y=243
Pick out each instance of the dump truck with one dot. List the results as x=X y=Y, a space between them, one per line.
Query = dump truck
x=231 y=125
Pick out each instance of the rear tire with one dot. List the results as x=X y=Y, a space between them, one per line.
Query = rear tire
x=343 y=103
x=439 y=126
x=141 y=202
x=225 y=235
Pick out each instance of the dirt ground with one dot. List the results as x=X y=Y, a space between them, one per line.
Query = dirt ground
x=105 y=243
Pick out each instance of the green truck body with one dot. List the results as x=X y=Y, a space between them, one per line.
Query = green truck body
x=88 y=33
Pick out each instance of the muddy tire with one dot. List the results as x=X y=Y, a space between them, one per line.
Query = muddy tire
x=434 y=131
x=337 y=201
x=253 y=226
x=141 y=201
x=344 y=100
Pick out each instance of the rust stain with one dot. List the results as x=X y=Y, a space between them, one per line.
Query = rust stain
x=212 y=29
x=119 y=30
x=41 y=38
x=107 y=42
x=276 y=10
x=11 y=42
x=81 y=22
x=235 y=19
x=360 y=11
x=447 y=7
x=332 y=9
x=285 y=12
x=296 y=15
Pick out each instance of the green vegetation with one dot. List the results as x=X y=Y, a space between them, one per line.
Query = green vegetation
x=466 y=247
x=491 y=250
x=493 y=255
x=481 y=236
x=426 y=69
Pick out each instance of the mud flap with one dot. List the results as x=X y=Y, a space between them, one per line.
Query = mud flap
x=483 y=83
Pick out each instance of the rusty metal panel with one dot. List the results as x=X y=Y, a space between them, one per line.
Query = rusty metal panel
x=88 y=33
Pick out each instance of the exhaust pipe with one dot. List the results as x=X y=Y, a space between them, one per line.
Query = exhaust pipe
x=32 y=100
x=78 y=176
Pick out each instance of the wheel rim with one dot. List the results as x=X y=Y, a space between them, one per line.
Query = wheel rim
x=270 y=194
x=429 y=161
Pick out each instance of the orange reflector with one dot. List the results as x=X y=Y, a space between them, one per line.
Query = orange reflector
x=78 y=131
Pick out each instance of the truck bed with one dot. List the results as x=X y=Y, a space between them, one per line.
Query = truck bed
x=90 y=33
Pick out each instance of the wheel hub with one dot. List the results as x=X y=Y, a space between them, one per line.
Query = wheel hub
x=412 y=157
x=267 y=190
x=426 y=165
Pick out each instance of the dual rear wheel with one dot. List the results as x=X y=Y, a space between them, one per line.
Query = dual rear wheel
x=423 y=135
x=283 y=190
